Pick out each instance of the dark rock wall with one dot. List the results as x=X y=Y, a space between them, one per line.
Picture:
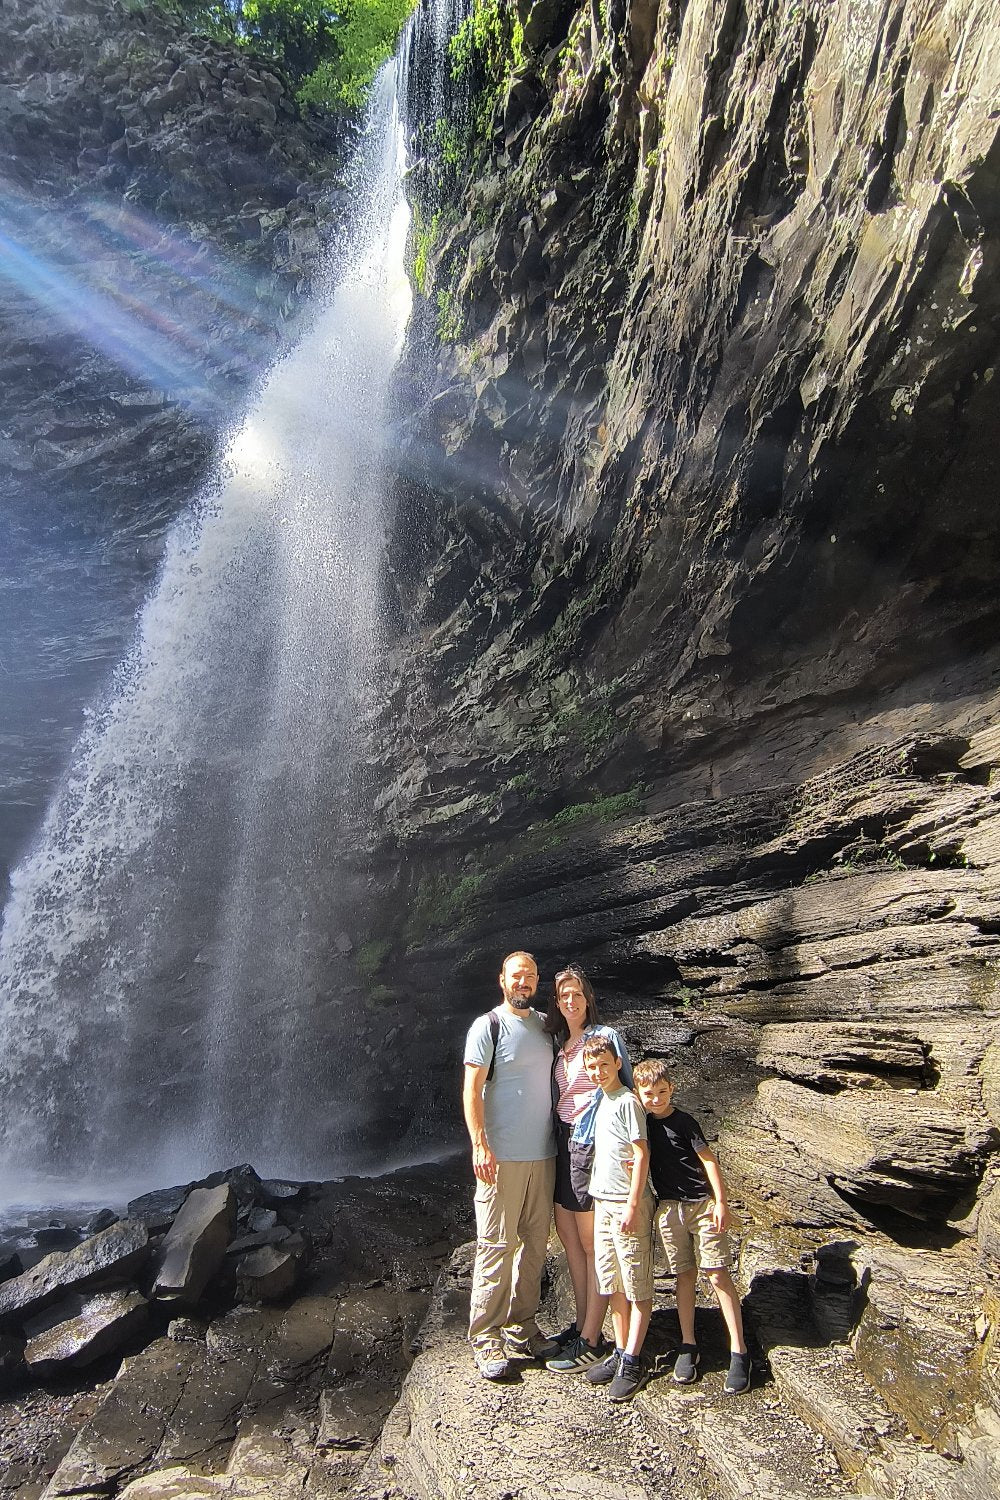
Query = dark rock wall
x=698 y=524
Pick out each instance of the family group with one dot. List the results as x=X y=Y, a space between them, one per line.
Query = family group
x=560 y=1122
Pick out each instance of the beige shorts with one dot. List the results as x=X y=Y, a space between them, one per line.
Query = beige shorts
x=624 y=1262
x=690 y=1238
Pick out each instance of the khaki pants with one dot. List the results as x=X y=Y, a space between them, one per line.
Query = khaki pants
x=512 y=1232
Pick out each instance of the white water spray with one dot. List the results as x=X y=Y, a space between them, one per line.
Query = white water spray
x=166 y=950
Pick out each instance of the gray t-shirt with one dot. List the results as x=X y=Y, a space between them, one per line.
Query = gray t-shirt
x=621 y=1120
x=518 y=1098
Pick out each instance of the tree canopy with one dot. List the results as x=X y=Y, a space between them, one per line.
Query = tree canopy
x=331 y=48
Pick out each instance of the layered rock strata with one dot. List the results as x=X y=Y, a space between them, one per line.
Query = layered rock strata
x=695 y=675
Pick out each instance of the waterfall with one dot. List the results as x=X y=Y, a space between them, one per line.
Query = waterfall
x=173 y=990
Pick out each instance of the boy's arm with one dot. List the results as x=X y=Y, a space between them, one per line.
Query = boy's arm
x=484 y=1163
x=720 y=1209
x=640 y=1166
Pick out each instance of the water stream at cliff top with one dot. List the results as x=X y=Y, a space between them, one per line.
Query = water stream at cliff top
x=166 y=952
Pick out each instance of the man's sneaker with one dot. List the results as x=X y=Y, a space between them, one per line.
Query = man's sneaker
x=738 y=1379
x=628 y=1380
x=686 y=1364
x=576 y=1356
x=537 y=1346
x=491 y=1362
x=605 y=1372
x=567 y=1336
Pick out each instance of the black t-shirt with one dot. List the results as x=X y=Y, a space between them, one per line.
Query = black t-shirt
x=674 y=1167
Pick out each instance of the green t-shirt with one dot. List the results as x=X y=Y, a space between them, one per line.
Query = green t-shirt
x=621 y=1120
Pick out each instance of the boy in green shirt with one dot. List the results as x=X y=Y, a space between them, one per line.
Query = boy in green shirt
x=623 y=1220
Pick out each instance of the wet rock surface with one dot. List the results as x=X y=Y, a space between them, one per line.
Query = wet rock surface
x=246 y=1399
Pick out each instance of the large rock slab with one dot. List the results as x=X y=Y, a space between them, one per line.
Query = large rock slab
x=105 y=1322
x=112 y=1256
x=195 y=1245
x=887 y=1149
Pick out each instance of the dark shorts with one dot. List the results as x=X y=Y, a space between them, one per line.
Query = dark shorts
x=573 y=1164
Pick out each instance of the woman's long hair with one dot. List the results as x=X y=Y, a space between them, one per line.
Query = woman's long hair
x=555 y=1021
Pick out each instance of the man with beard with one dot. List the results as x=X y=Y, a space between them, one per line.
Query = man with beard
x=507 y=1100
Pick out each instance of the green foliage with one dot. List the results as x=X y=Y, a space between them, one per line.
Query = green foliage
x=686 y=998
x=578 y=814
x=450 y=318
x=448 y=143
x=365 y=38
x=602 y=810
x=487 y=46
x=424 y=236
x=332 y=51
x=371 y=956
x=440 y=901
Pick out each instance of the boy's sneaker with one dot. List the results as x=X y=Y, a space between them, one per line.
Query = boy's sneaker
x=628 y=1380
x=686 y=1364
x=491 y=1362
x=605 y=1372
x=738 y=1379
x=576 y=1356
x=536 y=1346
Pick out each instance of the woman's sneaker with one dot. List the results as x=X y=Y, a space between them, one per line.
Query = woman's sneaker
x=576 y=1356
x=628 y=1380
x=605 y=1372
x=738 y=1379
x=686 y=1364
x=535 y=1346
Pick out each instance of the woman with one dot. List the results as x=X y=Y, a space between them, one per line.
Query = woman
x=571 y=1018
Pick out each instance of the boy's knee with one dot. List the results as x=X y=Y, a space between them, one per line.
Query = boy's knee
x=720 y=1276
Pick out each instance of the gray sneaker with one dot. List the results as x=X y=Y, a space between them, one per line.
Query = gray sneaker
x=738 y=1379
x=686 y=1364
x=605 y=1372
x=576 y=1356
x=491 y=1361
x=630 y=1377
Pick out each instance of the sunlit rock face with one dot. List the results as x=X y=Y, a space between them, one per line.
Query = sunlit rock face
x=163 y=206
x=695 y=581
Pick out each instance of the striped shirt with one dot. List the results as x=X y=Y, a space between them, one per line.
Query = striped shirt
x=575 y=1089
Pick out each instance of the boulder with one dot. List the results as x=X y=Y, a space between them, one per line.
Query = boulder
x=266 y=1275
x=10 y=1265
x=11 y=1360
x=109 y=1257
x=886 y=1149
x=105 y=1322
x=195 y=1244
x=158 y=1209
x=103 y=1219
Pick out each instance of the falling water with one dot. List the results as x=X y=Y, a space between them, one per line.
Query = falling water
x=169 y=952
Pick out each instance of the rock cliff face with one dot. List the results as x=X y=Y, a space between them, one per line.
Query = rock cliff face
x=163 y=211
x=696 y=657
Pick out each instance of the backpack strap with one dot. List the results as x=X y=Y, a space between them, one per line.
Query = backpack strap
x=494 y=1021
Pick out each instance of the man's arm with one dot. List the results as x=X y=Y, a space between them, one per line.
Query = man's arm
x=640 y=1166
x=720 y=1209
x=484 y=1163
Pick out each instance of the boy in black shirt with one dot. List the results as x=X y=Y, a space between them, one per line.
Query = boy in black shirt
x=687 y=1180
